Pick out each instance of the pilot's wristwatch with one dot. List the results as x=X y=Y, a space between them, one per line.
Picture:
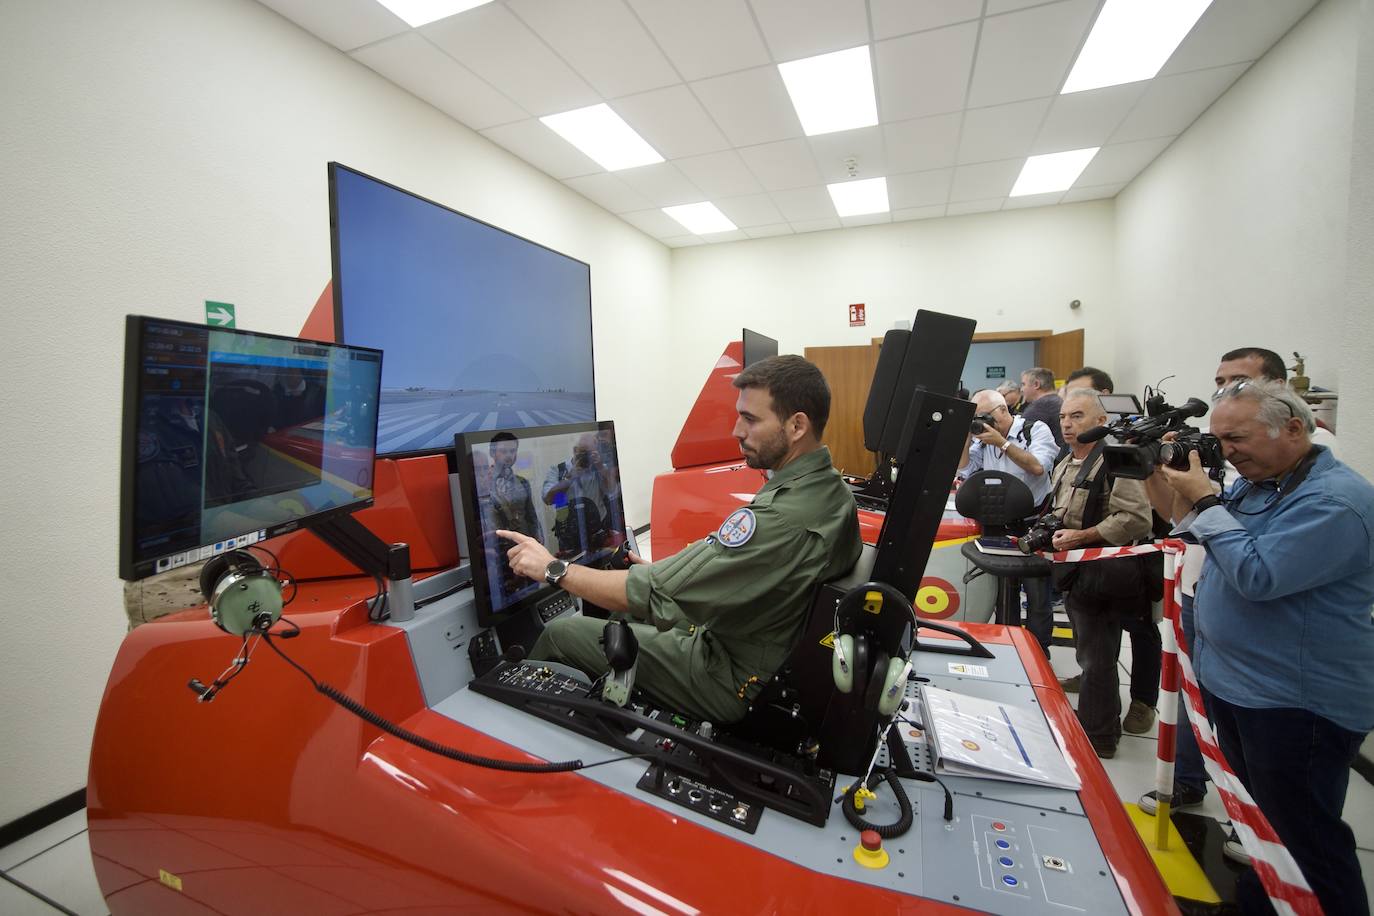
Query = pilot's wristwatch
x=555 y=571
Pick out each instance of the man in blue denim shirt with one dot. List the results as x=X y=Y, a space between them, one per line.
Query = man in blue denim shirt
x=1284 y=644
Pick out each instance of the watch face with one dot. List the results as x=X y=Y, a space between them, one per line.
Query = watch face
x=555 y=571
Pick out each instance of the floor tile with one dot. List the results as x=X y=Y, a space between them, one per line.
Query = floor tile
x=66 y=875
x=46 y=838
x=17 y=902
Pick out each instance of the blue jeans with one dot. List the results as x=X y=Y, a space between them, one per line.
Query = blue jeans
x=1296 y=766
x=1188 y=768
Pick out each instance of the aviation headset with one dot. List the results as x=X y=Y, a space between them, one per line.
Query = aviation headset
x=243 y=595
x=882 y=683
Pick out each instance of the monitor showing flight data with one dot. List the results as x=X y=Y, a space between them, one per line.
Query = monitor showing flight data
x=482 y=329
x=557 y=484
x=231 y=437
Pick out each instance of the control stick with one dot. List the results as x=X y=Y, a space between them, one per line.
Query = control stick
x=622 y=651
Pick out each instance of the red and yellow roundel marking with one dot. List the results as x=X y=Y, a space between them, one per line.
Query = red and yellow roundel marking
x=936 y=599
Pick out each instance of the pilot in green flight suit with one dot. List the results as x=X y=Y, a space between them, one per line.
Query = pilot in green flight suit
x=723 y=613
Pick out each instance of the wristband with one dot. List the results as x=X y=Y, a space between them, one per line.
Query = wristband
x=1207 y=502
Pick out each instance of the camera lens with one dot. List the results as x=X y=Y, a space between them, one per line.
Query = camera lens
x=978 y=426
x=1174 y=454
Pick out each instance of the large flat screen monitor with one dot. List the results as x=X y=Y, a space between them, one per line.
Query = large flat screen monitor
x=231 y=437
x=559 y=484
x=482 y=329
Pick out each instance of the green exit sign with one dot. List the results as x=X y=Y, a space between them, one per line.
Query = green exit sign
x=219 y=314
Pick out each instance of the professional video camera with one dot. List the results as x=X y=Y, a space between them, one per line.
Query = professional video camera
x=1136 y=447
x=1041 y=534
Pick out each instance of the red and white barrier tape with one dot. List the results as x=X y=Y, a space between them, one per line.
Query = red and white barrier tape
x=1288 y=890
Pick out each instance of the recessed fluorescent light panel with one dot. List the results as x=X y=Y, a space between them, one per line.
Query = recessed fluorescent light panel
x=1131 y=40
x=422 y=12
x=601 y=133
x=1052 y=171
x=701 y=219
x=858 y=198
x=832 y=91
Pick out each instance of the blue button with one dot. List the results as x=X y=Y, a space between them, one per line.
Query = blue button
x=1003 y=844
x=1005 y=860
x=1010 y=880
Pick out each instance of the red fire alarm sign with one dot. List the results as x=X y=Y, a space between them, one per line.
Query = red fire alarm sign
x=856 y=315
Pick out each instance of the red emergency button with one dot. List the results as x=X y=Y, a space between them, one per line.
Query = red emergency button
x=998 y=825
x=871 y=841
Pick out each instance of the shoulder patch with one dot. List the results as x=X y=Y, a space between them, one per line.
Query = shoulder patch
x=736 y=530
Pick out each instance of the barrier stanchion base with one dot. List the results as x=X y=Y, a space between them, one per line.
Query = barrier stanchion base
x=1181 y=871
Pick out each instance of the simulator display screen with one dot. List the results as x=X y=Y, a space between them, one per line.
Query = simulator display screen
x=558 y=484
x=482 y=329
x=236 y=436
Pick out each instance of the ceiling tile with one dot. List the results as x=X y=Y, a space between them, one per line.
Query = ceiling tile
x=868 y=219
x=732 y=236
x=542 y=148
x=763 y=232
x=1235 y=31
x=815 y=225
x=919 y=189
x=803 y=204
x=923 y=143
x=418 y=67
x=1027 y=55
x=918 y=213
x=794 y=29
x=985 y=180
x=602 y=40
x=1171 y=103
x=654 y=222
x=683 y=241
x=750 y=210
x=898 y=17
x=722 y=174
x=495 y=45
x=1082 y=119
x=924 y=74
x=1001 y=132
x=864 y=145
x=345 y=24
x=1032 y=200
x=662 y=184
x=610 y=192
x=672 y=121
x=750 y=107
x=1097 y=192
x=1006 y=6
x=785 y=164
x=705 y=37
x=1120 y=162
x=974 y=206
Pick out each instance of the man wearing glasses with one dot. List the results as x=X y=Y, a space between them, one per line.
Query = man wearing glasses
x=1283 y=643
x=1026 y=450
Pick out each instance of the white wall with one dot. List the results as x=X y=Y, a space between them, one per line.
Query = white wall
x=1236 y=235
x=1013 y=270
x=1357 y=317
x=159 y=153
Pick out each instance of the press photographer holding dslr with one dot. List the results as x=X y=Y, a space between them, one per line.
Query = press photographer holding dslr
x=1096 y=510
x=1025 y=449
x=1284 y=644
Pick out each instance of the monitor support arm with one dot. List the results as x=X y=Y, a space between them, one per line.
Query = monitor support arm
x=357 y=544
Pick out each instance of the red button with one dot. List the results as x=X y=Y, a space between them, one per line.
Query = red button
x=871 y=841
x=998 y=825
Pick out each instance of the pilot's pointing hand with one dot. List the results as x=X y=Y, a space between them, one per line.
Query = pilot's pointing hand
x=528 y=557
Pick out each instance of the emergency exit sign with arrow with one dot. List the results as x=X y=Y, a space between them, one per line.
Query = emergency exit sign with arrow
x=219 y=314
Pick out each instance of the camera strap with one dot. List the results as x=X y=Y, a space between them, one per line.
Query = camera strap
x=1281 y=487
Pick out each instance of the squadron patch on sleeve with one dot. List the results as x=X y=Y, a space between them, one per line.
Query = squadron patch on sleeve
x=736 y=530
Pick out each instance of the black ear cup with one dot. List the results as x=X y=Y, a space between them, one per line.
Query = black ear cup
x=875 y=681
x=215 y=568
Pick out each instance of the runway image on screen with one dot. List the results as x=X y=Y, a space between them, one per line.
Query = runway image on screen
x=482 y=329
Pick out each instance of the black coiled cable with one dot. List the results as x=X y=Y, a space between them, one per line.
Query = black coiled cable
x=886 y=831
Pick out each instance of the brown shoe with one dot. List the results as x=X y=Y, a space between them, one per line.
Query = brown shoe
x=1138 y=719
x=1070 y=684
x=1104 y=750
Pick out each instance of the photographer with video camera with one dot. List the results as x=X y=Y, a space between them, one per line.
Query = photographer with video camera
x=1025 y=449
x=1283 y=643
x=1098 y=509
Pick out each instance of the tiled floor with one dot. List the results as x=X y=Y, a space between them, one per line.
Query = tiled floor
x=56 y=861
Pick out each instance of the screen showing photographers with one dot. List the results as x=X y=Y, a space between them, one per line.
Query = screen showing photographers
x=558 y=484
x=238 y=433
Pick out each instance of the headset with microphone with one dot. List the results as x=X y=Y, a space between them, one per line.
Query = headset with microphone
x=871 y=656
x=243 y=595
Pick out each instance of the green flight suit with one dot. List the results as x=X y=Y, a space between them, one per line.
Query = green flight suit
x=726 y=610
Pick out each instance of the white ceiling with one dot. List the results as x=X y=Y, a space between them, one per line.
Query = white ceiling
x=967 y=89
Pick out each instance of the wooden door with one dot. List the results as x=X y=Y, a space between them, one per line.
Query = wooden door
x=849 y=370
x=1062 y=353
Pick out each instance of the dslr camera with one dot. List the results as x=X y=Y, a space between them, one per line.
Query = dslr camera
x=1041 y=534
x=980 y=423
x=1135 y=446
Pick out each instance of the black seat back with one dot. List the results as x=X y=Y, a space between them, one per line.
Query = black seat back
x=998 y=501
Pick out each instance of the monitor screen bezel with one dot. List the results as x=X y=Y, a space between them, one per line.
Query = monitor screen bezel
x=1113 y=402
x=464 y=443
x=336 y=287
x=753 y=342
x=131 y=569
